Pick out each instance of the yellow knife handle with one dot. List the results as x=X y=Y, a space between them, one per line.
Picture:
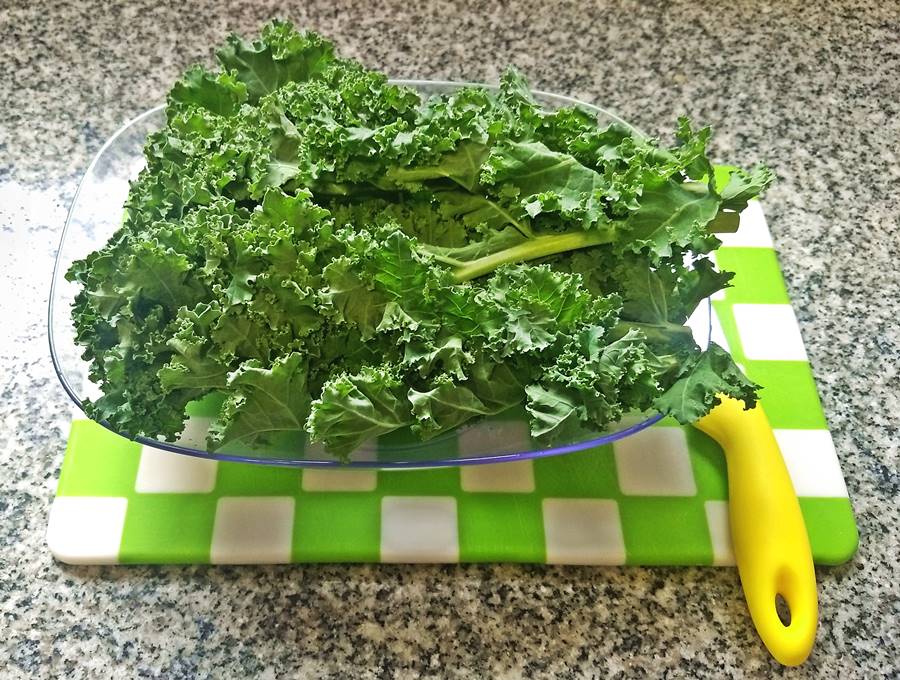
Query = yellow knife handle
x=770 y=542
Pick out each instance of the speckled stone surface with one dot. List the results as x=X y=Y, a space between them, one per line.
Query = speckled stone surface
x=810 y=87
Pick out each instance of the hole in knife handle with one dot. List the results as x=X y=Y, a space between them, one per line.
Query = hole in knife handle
x=783 y=610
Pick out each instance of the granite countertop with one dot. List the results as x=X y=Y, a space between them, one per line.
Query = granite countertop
x=810 y=87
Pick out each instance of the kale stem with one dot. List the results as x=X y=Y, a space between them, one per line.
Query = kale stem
x=540 y=246
x=654 y=332
x=452 y=261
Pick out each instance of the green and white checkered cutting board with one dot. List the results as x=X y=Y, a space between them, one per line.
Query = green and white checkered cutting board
x=658 y=497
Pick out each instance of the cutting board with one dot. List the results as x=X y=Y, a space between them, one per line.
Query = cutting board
x=659 y=497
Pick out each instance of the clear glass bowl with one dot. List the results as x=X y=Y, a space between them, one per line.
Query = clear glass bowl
x=96 y=212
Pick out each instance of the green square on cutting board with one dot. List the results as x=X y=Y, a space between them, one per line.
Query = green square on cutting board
x=757 y=278
x=98 y=462
x=394 y=446
x=708 y=463
x=585 y=474
x=337 y=526
x=148 y=534
x=833 y=535
x=665 y=530
x=500 y=527
x=438 y=481
x=789 y=394
x=247 y=479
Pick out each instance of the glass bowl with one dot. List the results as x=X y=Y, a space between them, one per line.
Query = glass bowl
x=96 y=213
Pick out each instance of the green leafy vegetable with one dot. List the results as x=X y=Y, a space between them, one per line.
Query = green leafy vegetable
x=340 y=257
x=281 y=56
x=263 y=401
x=699 y=382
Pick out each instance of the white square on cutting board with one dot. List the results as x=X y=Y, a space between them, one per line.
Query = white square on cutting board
x=253 y=530
x=769 y=332
x=655 y=462
x=419 y=529
x=513 y=477
x=718 y=521
x=753 y=231
x=583 y=531
x=86 y=529
x=162 y=471
x=495 y=436
x=339 y=480
x=812 y=462
x=705 y=326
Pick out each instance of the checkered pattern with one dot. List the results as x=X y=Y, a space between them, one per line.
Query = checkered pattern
x=657 y=497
